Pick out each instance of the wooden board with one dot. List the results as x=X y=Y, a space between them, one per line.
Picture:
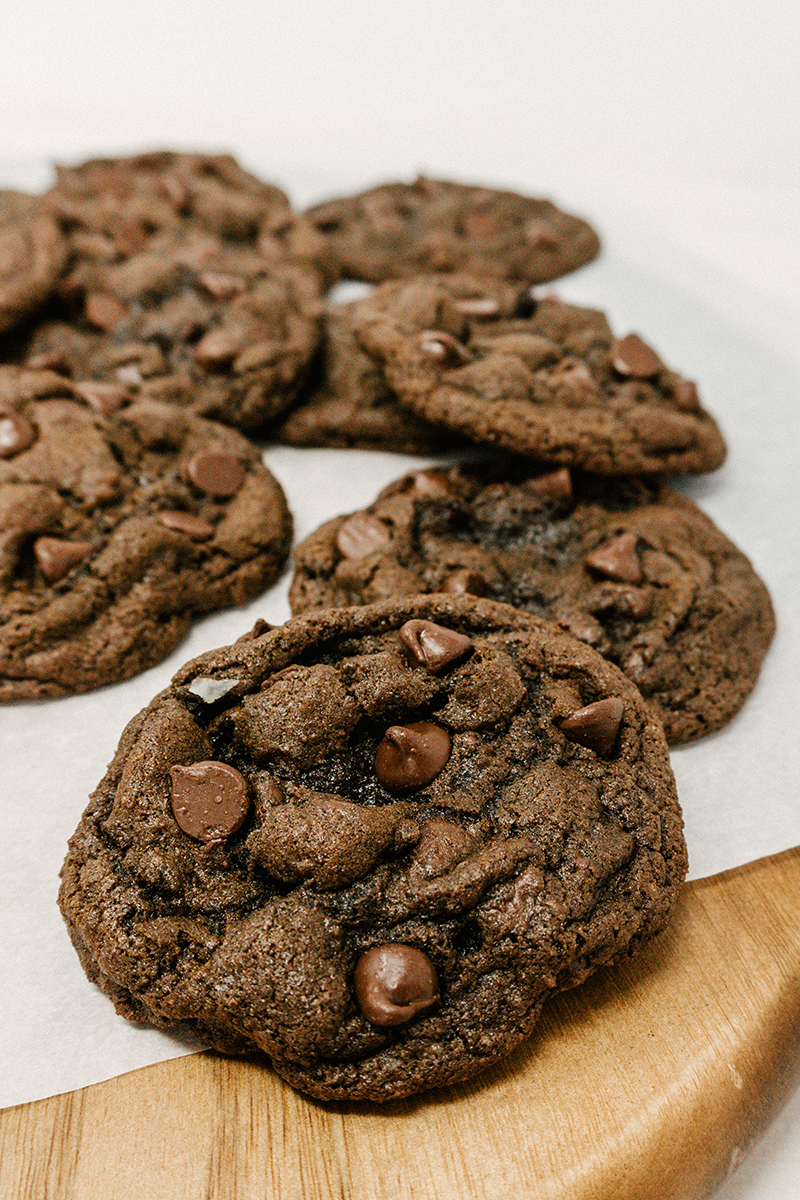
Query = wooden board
x=647 y=1083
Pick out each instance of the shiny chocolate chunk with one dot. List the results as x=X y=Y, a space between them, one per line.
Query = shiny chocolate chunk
x=617 y=559
x=57 y=556
x=209 y=800
x=444 y=348
x=395 y=983
x=216 y=473
x=433 y=646
x=464 y=582
x=441 y=845
x=217 y=349
x=361 y=534
x=184 y=522
x=16 y=433
x=554 y=485
x=411 y=756
x=631 y=356
x=103 y=310
x=596 y=726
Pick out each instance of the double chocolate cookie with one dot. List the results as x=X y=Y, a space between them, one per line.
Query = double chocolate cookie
x=627 y=565
x=371 y=842
x=554 y=384
x=190 y=321
x=32 y=255
x=117 y=529
x=402 y=229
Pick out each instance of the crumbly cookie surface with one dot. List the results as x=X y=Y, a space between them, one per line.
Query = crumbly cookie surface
x=371 y=842
x=555 y=385
x=627 y=565
x=190 y=321
x=32 y=255
x=399 y=229
x=117 y=528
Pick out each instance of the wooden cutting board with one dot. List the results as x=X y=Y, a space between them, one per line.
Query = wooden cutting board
x=649 y=1082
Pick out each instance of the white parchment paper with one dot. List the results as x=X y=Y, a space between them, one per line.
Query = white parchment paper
x=739 y=788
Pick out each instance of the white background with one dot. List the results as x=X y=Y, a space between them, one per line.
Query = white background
x=674 y=126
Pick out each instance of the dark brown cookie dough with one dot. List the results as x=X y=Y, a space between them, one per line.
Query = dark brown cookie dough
x=348 y=404
x=190 y=321
x=118 y=529
x=32 y=255
x=629 y=566
x=451 y=810
x=399 y=229
x=555 y=385
x=110 y=208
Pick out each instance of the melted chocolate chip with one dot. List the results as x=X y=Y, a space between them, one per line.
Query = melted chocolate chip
x=444 y=348
x=441 y=845
x=617 y=559
x=434 y=646
x=633 y=357
x=183 y=522
x=554 y=485
x=103 y=310
x=411 y=756
x=217 y=349
x=464 y=582
x=16 y=433
x=395 y=983
x=360 y=535
x=57 y=556
x=596 y=726
x=209 y=800
x=216 y=473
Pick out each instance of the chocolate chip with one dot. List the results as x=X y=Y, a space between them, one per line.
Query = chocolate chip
x=49 y=360
x=633 y=357
x=596 y=726
x=103 y=310
x=617 y=559
x=464 y=582
x=183 y=522
x=103 y=398
x=16 y=433
x=209 y=800
x=217 y=349
x=216 y=473
x=575 y=371
x=57 y=556
x=428 y=483
x=554 y=485
x=441 y=845
x=434 y=646
x=221 y=285
x=395 y=983
x=444 y=348
x=686 y=396
x=479 y=306
x=360 y=535
x=411 y=756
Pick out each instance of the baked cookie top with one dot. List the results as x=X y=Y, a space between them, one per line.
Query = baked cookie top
x=555 y=385
x=627 y=565
x=32 y=255
x=401 y=229
x=110 y=208
x=370 y=842
x=117 y=529
x=190 y=321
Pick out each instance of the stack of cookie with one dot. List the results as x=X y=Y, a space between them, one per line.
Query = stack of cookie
x=371 y=842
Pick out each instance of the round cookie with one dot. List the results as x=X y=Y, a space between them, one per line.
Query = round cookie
x=215 y=329
x=398 y=230
x=32 y=255
x=555 y=385
x=371 y=842
x=110 y=208
x=118 y=529
x=347 y=403
x=627 y=565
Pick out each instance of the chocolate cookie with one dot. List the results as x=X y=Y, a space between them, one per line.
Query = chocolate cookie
x=555 y=385
x=117 y=529
x=399 y=229
x=32 y=254
x=110 y=208
x=627 y=565
x=348 y=404
x=371 y=842
x=214 y=329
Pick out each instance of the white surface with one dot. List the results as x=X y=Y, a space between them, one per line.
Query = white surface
x=675 y=129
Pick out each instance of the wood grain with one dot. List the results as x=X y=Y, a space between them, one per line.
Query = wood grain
x=648 y=1083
